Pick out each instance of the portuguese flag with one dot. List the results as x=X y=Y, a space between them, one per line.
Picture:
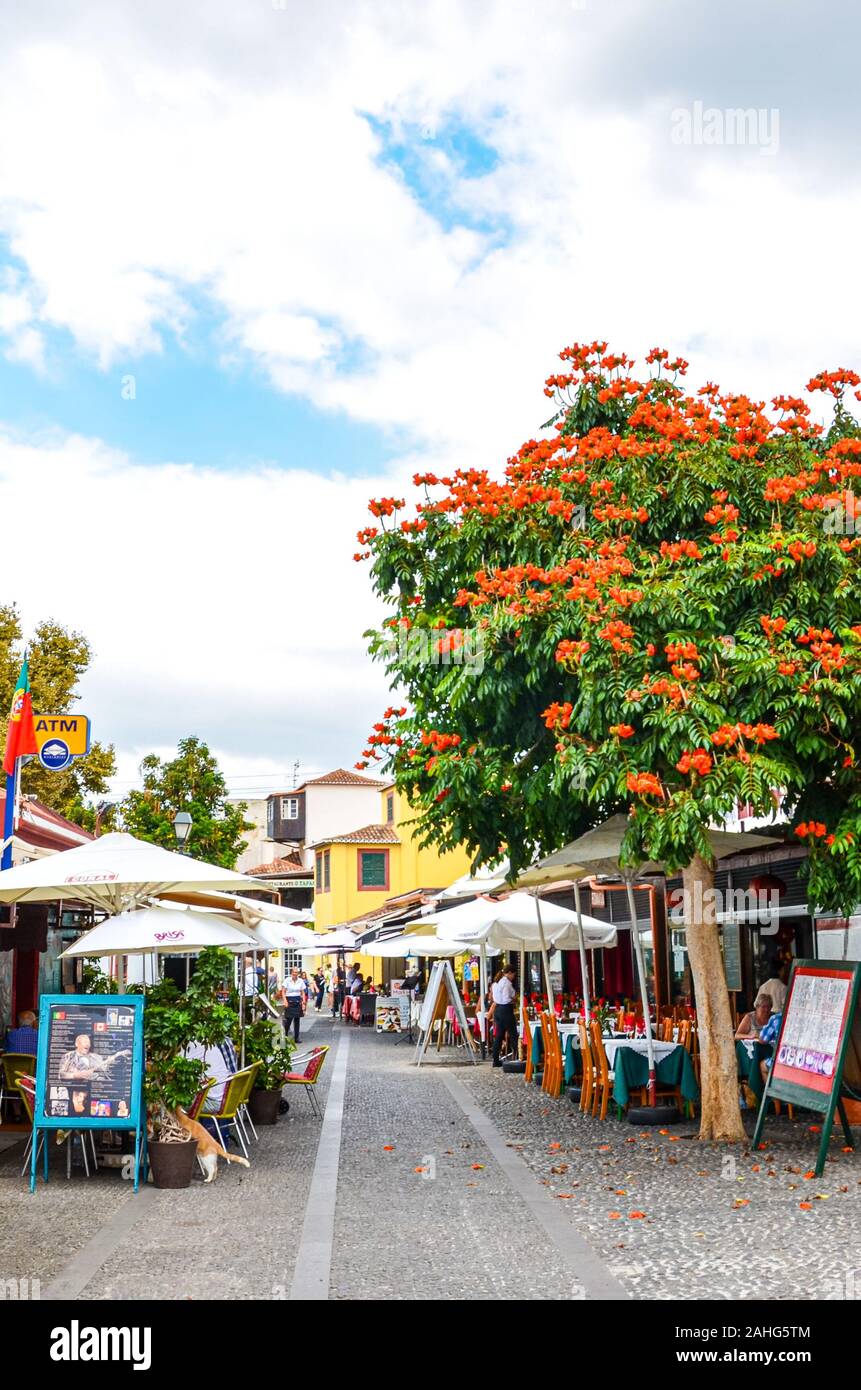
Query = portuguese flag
x=21 y=733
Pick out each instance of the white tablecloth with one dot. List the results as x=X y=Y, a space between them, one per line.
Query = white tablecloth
x=611 y=1046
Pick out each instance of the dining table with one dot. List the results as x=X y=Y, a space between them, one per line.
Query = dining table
x=627 y=1058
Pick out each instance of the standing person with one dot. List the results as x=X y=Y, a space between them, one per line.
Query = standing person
x=776 y=987
x=320 y=983
x=293 y=999
x=503 y=994
x=339 y=987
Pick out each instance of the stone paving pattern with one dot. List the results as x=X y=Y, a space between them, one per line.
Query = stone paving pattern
x=694 y=1240
x=458 y=1230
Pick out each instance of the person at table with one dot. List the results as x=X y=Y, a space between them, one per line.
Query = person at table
x=503 y=994
x=358 y=985
x=752 y=1024
x=770 y=1033
x=776 y=988
x=24 y=1038
x=293 y=999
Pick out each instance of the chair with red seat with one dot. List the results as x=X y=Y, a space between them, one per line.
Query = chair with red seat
x=309 y=1076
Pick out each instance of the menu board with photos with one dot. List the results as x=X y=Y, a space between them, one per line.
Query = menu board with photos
x=89 y=1070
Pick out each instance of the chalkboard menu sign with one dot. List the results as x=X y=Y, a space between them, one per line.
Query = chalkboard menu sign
x=731 y=933
x=817 y=1059
x=90 y=1065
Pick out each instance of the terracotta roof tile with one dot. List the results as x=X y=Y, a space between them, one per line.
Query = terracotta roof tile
x=368 y=835
x=342 y=778
x=291 y=864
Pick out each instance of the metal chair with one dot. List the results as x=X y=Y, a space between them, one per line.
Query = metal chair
x=236 y=1092
x=26 y=1087
x=309 y=1077
x=13 y=1065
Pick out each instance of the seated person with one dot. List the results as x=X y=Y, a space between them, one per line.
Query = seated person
x=751 y=1025
x=769 y=1034
x=220 y=1063
x=24 y=1038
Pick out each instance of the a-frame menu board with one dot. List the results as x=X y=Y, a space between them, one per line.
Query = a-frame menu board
x=817 y=1060
x=442 y=995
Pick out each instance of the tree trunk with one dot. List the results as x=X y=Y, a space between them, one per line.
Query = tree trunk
x=721 y=1116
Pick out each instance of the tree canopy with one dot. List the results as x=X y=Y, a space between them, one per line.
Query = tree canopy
x=666 y=591
x=58 y=659
x=192 y=782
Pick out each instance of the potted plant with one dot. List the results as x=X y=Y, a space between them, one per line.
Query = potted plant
x=264 y=1044
x=172 y=1021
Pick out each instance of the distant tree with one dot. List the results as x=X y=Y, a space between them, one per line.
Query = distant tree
x=192 y=782
x=58 y=659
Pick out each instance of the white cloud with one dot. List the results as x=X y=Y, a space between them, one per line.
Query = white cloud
x=220 y=604
x=212 y=151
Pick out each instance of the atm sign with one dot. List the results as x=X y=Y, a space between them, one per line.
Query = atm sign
x=71 y=729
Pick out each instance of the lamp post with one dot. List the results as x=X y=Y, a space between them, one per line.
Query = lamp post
x=182 y=824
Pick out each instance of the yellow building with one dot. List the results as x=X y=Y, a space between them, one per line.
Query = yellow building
x=357 y=872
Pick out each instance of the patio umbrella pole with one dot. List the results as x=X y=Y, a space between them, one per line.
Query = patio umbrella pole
x=545 y=961
x=584 y=964
x=241 y=963
x=644 y=994
x=482 y=975
x=522 y=982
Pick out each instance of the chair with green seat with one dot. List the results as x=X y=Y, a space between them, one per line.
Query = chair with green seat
x=237 y=1089
x=12 y=1065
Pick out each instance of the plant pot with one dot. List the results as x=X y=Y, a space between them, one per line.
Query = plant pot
x=172 y=1164
x=263 y=1106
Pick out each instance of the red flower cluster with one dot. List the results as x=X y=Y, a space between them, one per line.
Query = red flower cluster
x=681 y=550
x=385 y=506
x=617 y=634
x=699 y=760
x=813 y=828
x=440 y=743
x=569 y=650
x=644 y=783
x=736 y=733
x=557 y=716
x=622 y=730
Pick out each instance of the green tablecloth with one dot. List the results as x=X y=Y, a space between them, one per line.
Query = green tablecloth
x=748 y=1066
x=631 y=1071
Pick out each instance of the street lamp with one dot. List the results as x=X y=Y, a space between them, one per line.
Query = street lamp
x=182 y=824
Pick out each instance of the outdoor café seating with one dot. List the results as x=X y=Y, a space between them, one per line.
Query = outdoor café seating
x=12 y=1065
x=307 y=1074
x=611 y=1066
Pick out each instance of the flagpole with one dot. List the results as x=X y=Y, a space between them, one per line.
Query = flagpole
x=9 y=819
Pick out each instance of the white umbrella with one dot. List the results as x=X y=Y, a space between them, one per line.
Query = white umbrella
x=271 y=936
x=115 y=872
x=159 y=929
x=400 y=946
x=341 y=939
x=485 y=880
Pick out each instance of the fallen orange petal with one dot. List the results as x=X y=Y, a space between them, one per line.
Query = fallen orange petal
x=815 y=1129
x=810 y=1173
x=564 y=1194
x=806 y=1206
x=742 y=1202
x=420 y=1170
x=388 y=1147
x=636 y=1216
x=476 y=1166
x=555 y=1146
x=847 y=1149
x=614 y=1215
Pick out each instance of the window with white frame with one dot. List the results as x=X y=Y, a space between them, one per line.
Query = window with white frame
x=289 y=808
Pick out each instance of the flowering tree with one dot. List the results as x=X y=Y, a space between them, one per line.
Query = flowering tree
x=666 y=591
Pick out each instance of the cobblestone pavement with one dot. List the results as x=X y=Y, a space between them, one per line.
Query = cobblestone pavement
x=430 y=1207
x=719 y=1222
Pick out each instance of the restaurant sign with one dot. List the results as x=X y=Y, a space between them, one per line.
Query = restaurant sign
x=817 y=1058
x=89 y=1070
x=60 y=738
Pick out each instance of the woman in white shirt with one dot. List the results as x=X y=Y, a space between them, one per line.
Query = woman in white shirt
x=503 y=994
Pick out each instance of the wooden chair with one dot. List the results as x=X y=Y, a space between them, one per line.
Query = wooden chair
x=527 y=1036
x=684 y=1033
x=665 y=1029
x=603 y=1075
x=553 y=1062
x=588 y=1082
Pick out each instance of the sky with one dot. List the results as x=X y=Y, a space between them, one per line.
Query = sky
x=261 y=261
